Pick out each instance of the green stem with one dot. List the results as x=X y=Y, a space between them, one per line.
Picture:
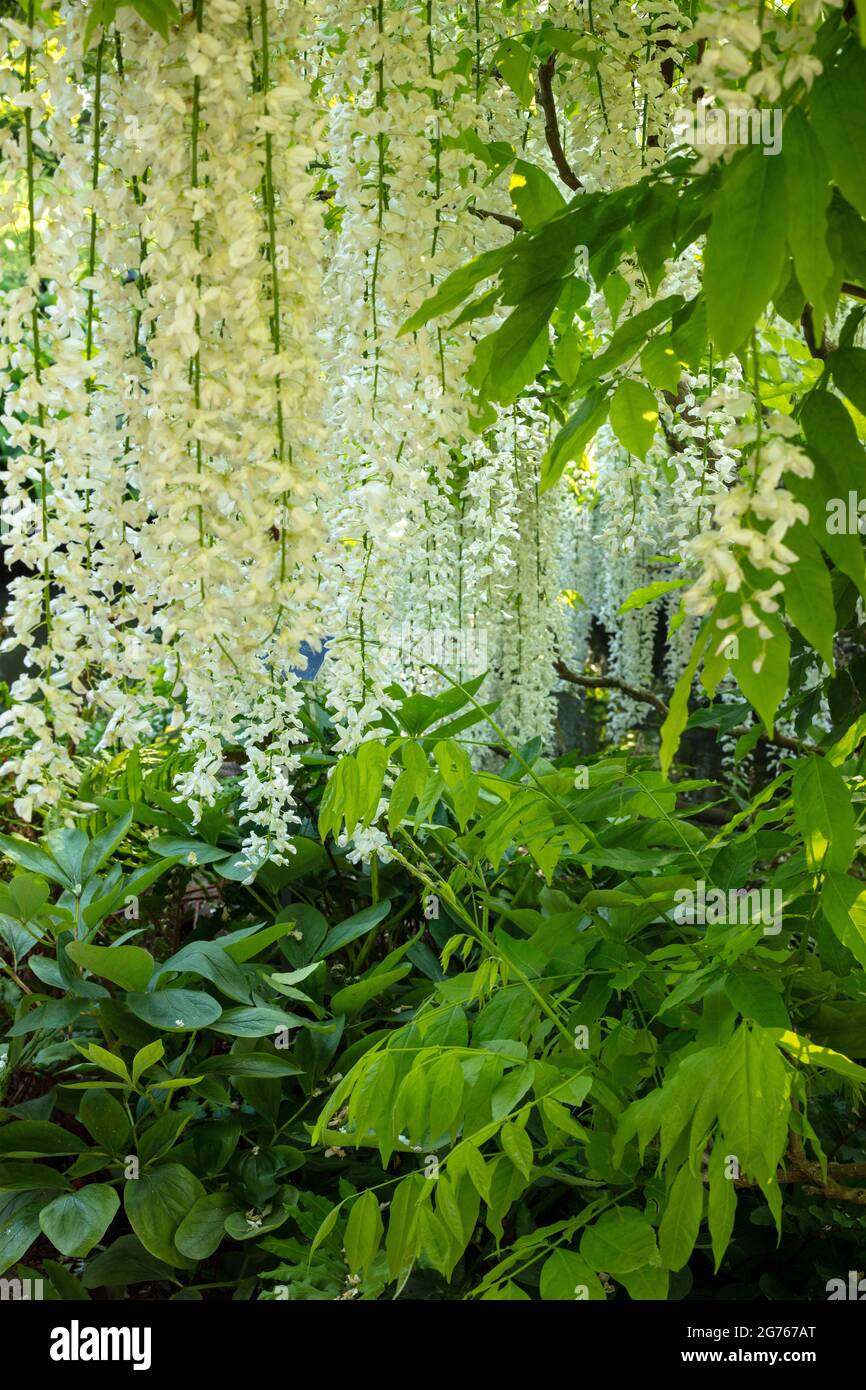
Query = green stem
x=379 y=19
x=90 y=383
x=34 y=319
x=196 y=241
x=270 y=213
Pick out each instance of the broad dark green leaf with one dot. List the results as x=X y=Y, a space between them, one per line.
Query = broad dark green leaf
x=745 y=247
x=77 y=1221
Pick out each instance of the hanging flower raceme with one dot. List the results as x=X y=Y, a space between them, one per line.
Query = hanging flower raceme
x=167 y=390
x=68 y=512
x=223 y=442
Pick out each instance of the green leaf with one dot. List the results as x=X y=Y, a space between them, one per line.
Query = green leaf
x=843 y=902
x=574 y=436
x=824 y=815
x=189 y=851
x=809 y=593
x=811 y=1054
x=127 y=888
x=634 y=416
x=403 y=793
x=364 y=1231
x=68 y=845
x=514 y=61
x=160 y=1136
x=627 y=339
x=838 y=106
x=103 y=846
x=147 y=1057
x=105 y=1119
x=128 y=966
x=446 y=1095
x=101 y=13
x=678 y=711
x=19 y=1225
x=754 y=1102
x=436 y=1243
x=124 y=1262
x=567 y=1276
x=66 y=1285
x=754 y=997
x=353 y=927
x=660 y=364
x=722 y=1204
x=616 y=291
x=326 y=1228
x=535 y=196
x=77 y=1221
x=682 y=1219
x=209 y=961
x=37 y=1139
x=261 y=1064
x=255 y=1022
x=620 y=1241
x=457 y=286
x=512 y=356
x=839 y=466
x=761 y=667
x=509 y=1292
x=175 y=1010
x=156 y=1203
x=808 y=196
x=849 y=373
x=518 y=1146
x=639 y=598
x=745 y=247
x=202 y=1230
x=58 y=1014
x=250 y=946
x=27 y=855
x=29 y=1177
x=401 y=1242
x=242 y=1227
x=650 y=1285
x=153 y=15
x=511 y=1090
x=352 y=998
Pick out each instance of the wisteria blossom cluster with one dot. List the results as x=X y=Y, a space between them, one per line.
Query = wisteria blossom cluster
x=221 y=452
x=753 y=516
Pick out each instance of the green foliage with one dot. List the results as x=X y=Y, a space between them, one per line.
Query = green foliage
x=552 y=1085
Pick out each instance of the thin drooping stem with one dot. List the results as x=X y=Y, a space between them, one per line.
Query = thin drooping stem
x=90 y=383
x=379 y=19
x=195 y=365
x=437 y=169
x=94 y=184
x=34 y=319
x=269 y=199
